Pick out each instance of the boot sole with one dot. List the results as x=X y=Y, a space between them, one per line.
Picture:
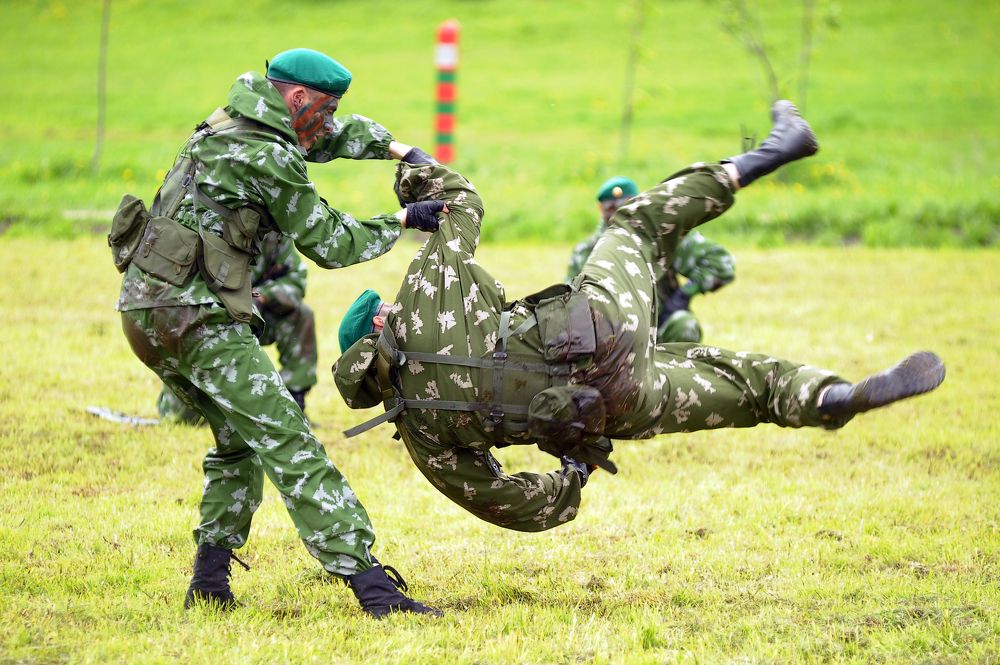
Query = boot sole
x=809 y=143
x=916 y=374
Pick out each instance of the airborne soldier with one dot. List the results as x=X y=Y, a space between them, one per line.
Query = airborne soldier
x=460 y=370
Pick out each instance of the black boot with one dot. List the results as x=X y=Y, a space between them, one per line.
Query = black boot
x=380 y=595
x=791 y=138
x=916 y=374
x=210 y=582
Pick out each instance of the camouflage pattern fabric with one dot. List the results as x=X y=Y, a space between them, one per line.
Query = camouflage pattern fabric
x=279 y=276
x=449 y=304
x=217 y=367
x=269 y=170
x=219 y=370
x=706 y=265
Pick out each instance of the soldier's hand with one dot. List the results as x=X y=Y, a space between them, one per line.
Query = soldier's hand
x=417 y=156
x=422 y=215
x=568 y=463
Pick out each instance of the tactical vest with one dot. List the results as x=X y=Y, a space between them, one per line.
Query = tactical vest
x=170 y=251
x=530 y=398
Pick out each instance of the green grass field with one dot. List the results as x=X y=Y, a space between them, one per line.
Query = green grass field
x=904 y=96
x=879 y=543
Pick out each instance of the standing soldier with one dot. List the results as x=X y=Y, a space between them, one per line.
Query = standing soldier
x=278 y=278
x=459 y=370
x=186 y=309
x=706 y=265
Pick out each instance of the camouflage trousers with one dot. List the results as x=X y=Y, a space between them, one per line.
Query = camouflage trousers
x=293 y=333
x=664 y=388
x=219 y=369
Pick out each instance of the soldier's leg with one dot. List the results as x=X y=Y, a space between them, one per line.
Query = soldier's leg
x=295 y=339
x=172 y=407
x=692 y=387
x=621 y=274
x=227 y=365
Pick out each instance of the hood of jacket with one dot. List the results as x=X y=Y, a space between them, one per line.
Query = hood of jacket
x=252 y=96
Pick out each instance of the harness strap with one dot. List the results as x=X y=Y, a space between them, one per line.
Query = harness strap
x=389 y=357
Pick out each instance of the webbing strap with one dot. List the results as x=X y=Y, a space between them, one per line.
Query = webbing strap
x=377 y=420
x=390 y=357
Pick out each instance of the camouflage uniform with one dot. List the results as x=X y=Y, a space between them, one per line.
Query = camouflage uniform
x=216 y=364
x=279 y=277
x=706 y=265
x=449 y=304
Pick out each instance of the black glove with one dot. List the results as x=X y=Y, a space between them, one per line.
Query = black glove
x=417 y=156
x=677 y=301
x=581 y=468
x=422 y=215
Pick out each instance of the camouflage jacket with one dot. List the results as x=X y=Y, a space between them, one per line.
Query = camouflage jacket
x=268 y=168
x=449 y=304
x=706 y=264
x=279 y=274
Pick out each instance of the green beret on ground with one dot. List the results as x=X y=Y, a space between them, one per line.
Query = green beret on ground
x=358 y=320
x=310 y=68
x=618 y=187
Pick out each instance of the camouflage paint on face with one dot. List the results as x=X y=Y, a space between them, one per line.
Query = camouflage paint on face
x=314 y=119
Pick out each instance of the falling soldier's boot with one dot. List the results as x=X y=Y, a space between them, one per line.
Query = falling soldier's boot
x=380 y=595
x=210 y=582
x=791 y=138
x=916 y=374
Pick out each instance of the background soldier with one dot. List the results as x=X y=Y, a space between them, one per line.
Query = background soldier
x=460 y=370
x=186 y=310
x=706 y=265
x=278 y=277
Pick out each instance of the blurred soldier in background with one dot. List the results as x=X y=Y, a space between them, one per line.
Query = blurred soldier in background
x=187 y=308
x=460 y=370
x=706 y=265
x=278 y=277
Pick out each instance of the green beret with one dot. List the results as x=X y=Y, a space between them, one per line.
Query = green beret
x=618 y=187
x=358 y=320
x=310 y=68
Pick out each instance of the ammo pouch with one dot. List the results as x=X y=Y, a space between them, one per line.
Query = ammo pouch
x=127 y=228
x=167 y=251
x=226 y=270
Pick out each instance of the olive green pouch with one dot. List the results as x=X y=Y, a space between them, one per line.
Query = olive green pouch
x=168 y=251
x=565 y=325
x=241 y=228
x=569 y=421
x=127 y=228
x=226 y=270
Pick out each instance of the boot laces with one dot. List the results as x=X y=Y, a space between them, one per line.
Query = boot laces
x=229 y=568
x=396 y=579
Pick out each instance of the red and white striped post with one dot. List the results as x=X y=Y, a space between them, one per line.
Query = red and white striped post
x=446 y=61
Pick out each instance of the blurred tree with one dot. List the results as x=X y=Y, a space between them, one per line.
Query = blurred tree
x=639 y=11
x=744 y=24
x=102 y=66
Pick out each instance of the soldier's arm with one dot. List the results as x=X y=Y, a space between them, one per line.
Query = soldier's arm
x=707 y=265
x=331 y=238
x=353 y=137
x=474 y=480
